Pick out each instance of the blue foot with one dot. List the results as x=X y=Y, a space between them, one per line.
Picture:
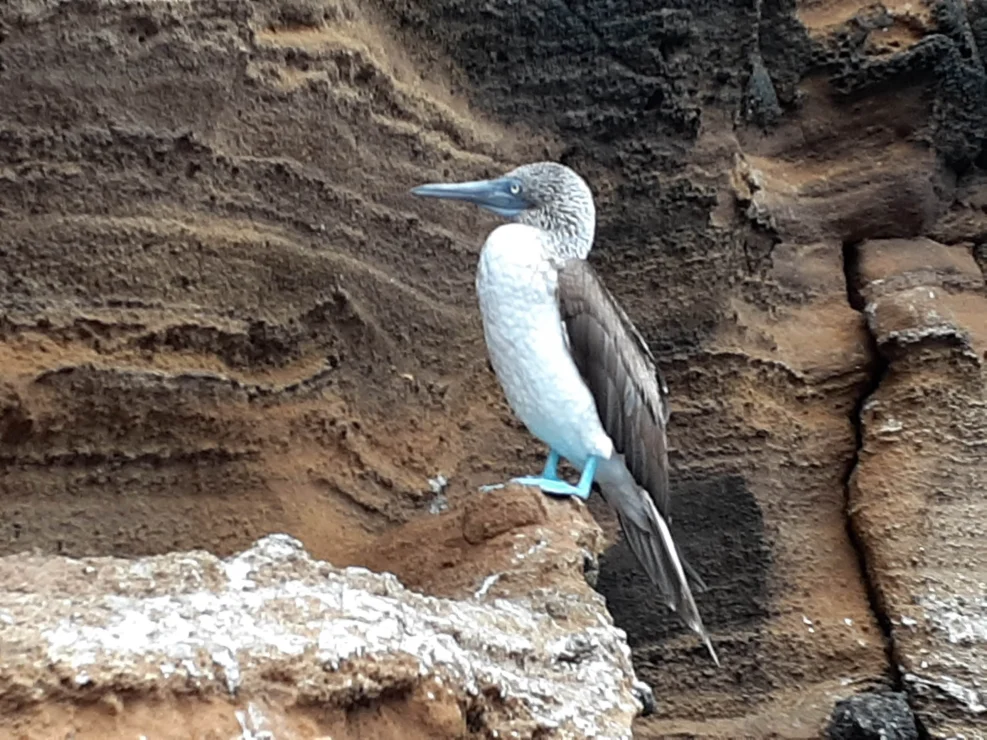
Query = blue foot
x=553 y=485
x=557 y=487
x=549 y=474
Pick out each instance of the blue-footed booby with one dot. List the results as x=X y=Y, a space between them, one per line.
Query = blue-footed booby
x=573 y=367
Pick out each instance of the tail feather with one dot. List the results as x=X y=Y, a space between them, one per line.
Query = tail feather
x=655 y=550
x=698 y=584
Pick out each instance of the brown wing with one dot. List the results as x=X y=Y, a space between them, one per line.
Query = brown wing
x=621 y=374
x=629 y=391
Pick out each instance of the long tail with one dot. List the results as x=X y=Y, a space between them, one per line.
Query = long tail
x=651 y=542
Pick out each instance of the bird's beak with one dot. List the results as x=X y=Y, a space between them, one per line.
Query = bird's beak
x=494 y=195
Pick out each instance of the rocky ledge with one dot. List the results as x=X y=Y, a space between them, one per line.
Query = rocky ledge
x=273 y=641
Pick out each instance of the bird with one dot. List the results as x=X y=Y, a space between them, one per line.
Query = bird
x=573 y=367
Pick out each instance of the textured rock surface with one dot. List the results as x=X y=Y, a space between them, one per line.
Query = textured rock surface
x=917 y=494
x=187 y=645
x=873 y=717
x=223 y=316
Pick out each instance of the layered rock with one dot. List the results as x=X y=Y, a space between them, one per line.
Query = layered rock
x=224 y=317
x=924 y=457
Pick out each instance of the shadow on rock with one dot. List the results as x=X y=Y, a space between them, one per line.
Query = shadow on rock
x=719 y=528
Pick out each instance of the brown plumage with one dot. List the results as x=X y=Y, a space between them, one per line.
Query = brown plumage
x=632 y=402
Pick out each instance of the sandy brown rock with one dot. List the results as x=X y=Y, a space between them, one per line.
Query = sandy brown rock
x=270 y=640
x=916 y=500
x=445 y=557
x=223 y=315
x=210 y=292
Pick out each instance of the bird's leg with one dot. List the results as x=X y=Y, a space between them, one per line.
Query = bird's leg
x=551 y=466
x=549 y=480
x=560 y=487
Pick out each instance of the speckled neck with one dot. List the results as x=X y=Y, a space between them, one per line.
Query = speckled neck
x=569 y=222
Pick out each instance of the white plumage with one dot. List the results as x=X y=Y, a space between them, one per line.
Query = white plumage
x=516 y=283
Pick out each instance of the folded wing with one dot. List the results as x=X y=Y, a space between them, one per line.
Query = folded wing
x=621 y=373
x=632 y=401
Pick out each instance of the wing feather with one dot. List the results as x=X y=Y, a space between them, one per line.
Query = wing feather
x=631 y=400
x=621 y=374
x=629 y=390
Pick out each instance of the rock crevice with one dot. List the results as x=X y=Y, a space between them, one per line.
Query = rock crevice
x=878 y=370
x=923 y=557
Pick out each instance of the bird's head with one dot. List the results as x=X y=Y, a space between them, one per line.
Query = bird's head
x=546 y=195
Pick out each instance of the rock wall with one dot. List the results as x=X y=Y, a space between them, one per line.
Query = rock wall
x=915 y=501
x=223 y=316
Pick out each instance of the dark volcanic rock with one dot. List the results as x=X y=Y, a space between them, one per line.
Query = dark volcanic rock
x=873 y=717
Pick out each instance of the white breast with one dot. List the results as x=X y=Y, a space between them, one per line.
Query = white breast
x=516 y=285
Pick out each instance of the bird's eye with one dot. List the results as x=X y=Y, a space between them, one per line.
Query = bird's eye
x=515 y=189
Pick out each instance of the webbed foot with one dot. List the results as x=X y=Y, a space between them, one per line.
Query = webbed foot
x=553 y=486
x=549 y=483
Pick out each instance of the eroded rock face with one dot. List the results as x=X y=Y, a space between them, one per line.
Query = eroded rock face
x=914 y=501
x=223 y=315
x=186 y=644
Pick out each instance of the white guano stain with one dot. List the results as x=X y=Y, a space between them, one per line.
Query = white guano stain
x=251 y=618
